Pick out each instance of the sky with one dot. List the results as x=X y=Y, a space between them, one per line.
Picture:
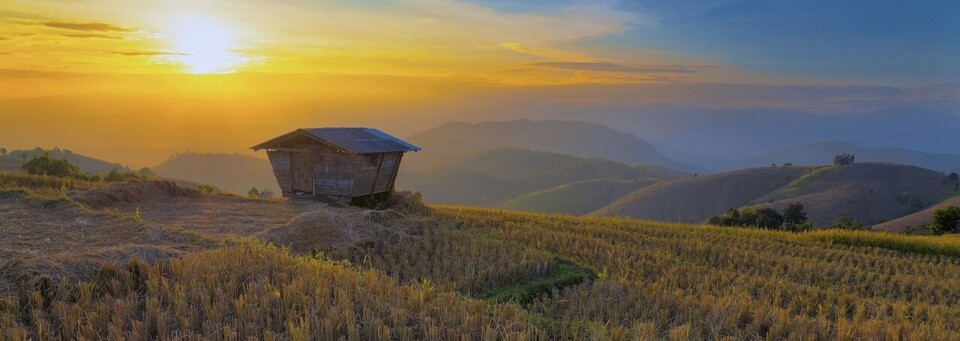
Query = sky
x=139 y=80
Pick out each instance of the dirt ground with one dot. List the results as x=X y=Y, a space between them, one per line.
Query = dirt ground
x=149 y=220
x=45 y=239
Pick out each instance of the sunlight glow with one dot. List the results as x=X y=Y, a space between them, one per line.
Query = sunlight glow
x=204 y=45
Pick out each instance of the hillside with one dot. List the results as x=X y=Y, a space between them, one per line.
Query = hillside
x=916 y=219
x=230 y=172
x=582 y=139
x=576 y=198
x=819 y=153
x=12 y=161
x=869 y=192
x=494 y=176
x=447 y=273
x=695 y=199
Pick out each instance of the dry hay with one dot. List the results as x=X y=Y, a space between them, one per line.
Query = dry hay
x=132 y=191
x=337 y=230
x=50 y=273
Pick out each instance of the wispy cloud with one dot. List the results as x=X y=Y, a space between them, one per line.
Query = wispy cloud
x=90 y=35
x=85 y=26
x=615 y=67
x=145 y=53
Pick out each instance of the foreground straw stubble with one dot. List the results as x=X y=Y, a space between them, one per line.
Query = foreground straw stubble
x=648 y=281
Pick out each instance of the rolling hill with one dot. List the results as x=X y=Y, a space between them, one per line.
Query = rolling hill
x=12 y=161
x=869 y=192
x=695 y=199
x=492 y=177
x=915 y=219
x=582 y=139
x=576 y=198
x=230 y=172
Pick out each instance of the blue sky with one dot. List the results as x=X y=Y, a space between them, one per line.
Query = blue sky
x=864 y=41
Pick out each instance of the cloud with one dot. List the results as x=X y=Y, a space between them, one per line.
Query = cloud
x=620 y=68
x=145 y=53
x=85 y=26
x=545 y=53
x=90 y=35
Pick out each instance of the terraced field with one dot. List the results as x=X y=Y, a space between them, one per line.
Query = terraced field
x=453 y=273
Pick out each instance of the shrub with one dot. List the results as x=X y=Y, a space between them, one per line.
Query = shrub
x=3 y=151
x=945 y=219
x=46 y=165
x=118 y=176
x=253 y=193
x=844 y=222
x=953 y=177
x=204 y=188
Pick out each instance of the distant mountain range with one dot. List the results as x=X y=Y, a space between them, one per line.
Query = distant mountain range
x=586 y=168
x=493 y=177
x=823 y=152
x=711 y=139
x=230 y=172
x=576 y=138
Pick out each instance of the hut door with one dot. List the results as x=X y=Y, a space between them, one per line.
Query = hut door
x=302 y=169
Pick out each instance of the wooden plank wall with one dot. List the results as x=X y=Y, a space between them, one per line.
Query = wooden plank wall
x=335 y=174
x=387 y=168
x=302 y=169
x=280 y=160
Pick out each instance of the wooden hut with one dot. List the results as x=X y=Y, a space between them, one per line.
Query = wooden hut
x=344 y=164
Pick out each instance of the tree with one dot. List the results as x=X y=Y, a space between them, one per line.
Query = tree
x=843 y=159
x=45 y=165
x=945 y=219
x=951 y=177
x=146 y=172
x=3 y=151
x=253 y=193
x=730 y=218
x=794 y=217
x=748 y=217
x=769 y=218
x=844 y=222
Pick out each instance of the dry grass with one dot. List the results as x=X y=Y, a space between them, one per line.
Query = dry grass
x=160 y=268
x=254 y=291
x=713 y=283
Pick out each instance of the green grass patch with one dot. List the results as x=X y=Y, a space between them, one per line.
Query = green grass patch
x=564 y=274
x=803 y=181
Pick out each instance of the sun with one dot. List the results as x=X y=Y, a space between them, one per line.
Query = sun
x=204 y=45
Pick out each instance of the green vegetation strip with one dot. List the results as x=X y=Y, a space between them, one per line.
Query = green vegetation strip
x=565 y=273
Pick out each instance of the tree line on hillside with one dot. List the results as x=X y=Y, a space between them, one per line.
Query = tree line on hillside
x=44 y=164
x=794 y=219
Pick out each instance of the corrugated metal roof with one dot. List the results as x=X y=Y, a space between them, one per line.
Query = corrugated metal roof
x=357 y=140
